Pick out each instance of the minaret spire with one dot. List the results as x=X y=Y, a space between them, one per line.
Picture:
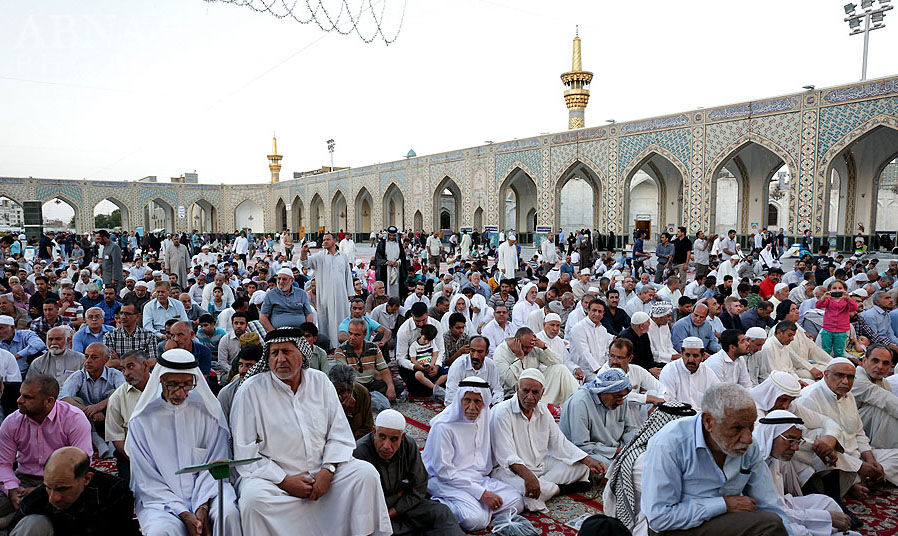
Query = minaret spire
x=577 y=82
x=274 y=160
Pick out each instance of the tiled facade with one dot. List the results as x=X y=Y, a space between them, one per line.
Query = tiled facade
x=807 y=131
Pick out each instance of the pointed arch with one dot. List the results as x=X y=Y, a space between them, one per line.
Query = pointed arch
x=451 y=202
x=419 y=221
x=524 y=187
x=296 y=222
x=660 y=165
x=12 y=214
x=478 y=218
x=249 y=215
x=316 y=214
x=364 y=211
x=393 y=207
x=202 y=216
x=120 y=205
x=63 y=198
x=280 y=215
x=339 y=212
x=579 y=169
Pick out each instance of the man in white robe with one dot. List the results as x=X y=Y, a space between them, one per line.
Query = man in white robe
x=347 y=248
x=177 y=259
x=475 y=363
x=333 y=277
x=507 y=260
x=659 y=333
x=776 y=355
x=589 y=342
x=778 y=435
x=876 y=402
x=687 y=378
x=466 y=243
x=525 y=351
x=458 y=458
x=832 y=397
x=549 y=253
x=307 y=480
x=551 y=336
x=531 y=453
x=178 y=423
x=499 y=328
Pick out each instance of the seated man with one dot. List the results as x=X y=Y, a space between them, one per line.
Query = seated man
x=596 y=419
x=40 y=414
x=354 y=398
x=88 y=389
x=374 y=374
x=624 y=488
x=246 y=358
x=76 y=499
x=475 y=363
x=687 y=378
x=695 y=326
x=178 y=422
x=645 y=390
x=374 y=332
x=679 y=495
x=728 y=364
x=59 y=361
x=291 y=417
x=876 y=403
x=778 y=435
x=589 y=342
x=458 y=459
x=93 y=330
x=525 y=351
x=404 y=479
x=122 y=402
x=531 y=453
x=832 y=398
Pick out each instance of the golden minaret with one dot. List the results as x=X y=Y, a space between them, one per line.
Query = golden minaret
x=576 y=96
x=274 y=161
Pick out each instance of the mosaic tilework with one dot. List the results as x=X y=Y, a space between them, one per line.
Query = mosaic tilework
x=677 y=142
x=529 y=161
x=779 y=133
x=699 y=207
x=837 y=121
x=47 y=191
x=169 y=194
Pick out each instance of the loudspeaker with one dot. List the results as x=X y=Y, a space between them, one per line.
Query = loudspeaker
x=33 y=214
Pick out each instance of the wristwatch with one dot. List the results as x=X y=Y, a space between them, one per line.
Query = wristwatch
x=330 y=467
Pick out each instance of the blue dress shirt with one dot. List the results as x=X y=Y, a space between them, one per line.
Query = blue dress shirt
x=685 y=328
x=683 y=486
x=26 y=344
x=84 y=338
x=881 y=322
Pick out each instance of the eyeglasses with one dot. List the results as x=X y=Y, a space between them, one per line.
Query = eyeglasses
x=792 y=441
x=175 y=387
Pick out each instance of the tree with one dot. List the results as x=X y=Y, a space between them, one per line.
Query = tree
x=103 y=221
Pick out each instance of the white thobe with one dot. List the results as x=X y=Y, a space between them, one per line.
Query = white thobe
x=808 y=514
x=466 y=246
x=177 y=260
x=728 y=370
x=775 y=356
x=635 y=304
x=559 y=347
x=572 y=320
x=820 y=398
x=347 y=247
x=536 y=443
x=661 y=342
x=536 y=319
x=333 y=278
x=589 y=347
x=496 y=334
x=507 y=260
x=163 y=439
x=560 y=383
x=295 y=434
x=878 y=408
x=807 y=350
x=550 y=254
x=685 y=386
x=521 y=311
x=461 y=368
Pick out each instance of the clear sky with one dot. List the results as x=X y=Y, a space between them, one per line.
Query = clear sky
x=121 y=90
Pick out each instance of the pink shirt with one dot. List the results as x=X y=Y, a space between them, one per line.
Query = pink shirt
x=23 y=440
x=836 y=318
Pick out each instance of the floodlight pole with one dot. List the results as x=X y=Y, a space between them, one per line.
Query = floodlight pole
x=866 y=46
x=867 y=14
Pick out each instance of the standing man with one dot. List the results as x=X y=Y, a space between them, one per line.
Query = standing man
x=241 y=246
x=507 y=260
x=177 y=259
x=112 y=261
x=334 y=284
x=434 y=249
x=391 y=265
x=404 y=478
x=550 y=253
x=682 y=255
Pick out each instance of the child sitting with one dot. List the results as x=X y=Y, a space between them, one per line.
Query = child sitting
x=423 y=356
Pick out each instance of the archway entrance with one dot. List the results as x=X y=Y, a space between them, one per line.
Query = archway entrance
x=249 y=215
x=60 y=215
x=478 y=219
x=158 y=214
x=394 y=207
x=578 y=199
x=280 y=215
x=653 y=196
x=12 y=216
x=753 y=168
x=518 y=199
x=363 y=204
x=317 y=214
x=296 y=214
x=447 y=200
x=338 y=212
x=111 y=214
x=202 y=216
x=419 y=221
